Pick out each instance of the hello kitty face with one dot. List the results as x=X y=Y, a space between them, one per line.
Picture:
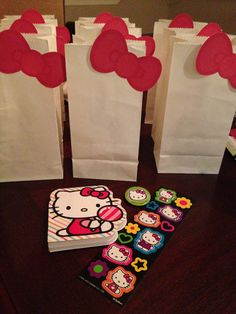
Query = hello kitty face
x=148 y=241
x=118 y=254
x=147 y=219
x=120 y=279
x=137 y=195
x=165 y=195
x=171 y=213
x=81 y=203
x=118 y=282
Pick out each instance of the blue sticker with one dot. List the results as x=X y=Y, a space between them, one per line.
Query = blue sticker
x=152 y=205
x=148 y=241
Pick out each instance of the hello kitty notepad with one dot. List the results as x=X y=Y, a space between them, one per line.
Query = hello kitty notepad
x=84 y=217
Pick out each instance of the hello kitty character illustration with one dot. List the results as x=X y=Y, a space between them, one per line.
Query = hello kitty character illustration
x=165 y=196
x=137 y=195
x=118 y=282
x=90 y=210
x=171 y=213
x=118 y=254
x=147 y=219
x=148 y=241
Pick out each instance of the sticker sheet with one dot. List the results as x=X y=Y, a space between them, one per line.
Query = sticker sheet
x=120 y=266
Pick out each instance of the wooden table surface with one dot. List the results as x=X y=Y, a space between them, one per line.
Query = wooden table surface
x=195 y=273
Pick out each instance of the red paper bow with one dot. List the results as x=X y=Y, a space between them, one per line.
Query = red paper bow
x=27 y=27
x=216 y=55
x=210 y=29
x=182 y=20
x=16 y=55
x=116 y=23
x=94 y=193
x=110 y=53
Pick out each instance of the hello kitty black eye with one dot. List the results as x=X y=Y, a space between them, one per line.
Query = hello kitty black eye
x=68 y=207
x=97 y=205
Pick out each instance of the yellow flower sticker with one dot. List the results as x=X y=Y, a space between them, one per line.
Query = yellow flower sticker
x=183 y=202
x=132 y=228
x=143 y=263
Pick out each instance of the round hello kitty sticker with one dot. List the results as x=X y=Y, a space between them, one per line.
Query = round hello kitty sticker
x=137 y=196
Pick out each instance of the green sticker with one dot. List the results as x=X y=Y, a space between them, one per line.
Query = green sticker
x=137 y=196
x=125 y=238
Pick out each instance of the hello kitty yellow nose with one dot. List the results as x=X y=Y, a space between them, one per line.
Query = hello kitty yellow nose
x=84 y=209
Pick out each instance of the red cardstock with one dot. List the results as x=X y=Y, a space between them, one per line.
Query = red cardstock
x=182 y=20
x=210 y=29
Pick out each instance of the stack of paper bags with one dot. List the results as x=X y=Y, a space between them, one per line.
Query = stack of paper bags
x=31 y=75
x=163 y=29
x=106 y=78
x=196 y=103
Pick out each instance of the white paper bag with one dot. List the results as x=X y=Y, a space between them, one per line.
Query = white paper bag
x=161 y=34
x=30 y=126
x=105 y=118
x=90 y=32
x=194 y=114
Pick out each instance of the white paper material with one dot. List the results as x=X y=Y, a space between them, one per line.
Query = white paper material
x=105 y=118
x=90 y=32
x=194 y=114
x=161 y=36
x=30 y=130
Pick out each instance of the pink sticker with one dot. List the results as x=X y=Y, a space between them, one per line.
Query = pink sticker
x=182 y=20
x=166 y=226
x=118 y=254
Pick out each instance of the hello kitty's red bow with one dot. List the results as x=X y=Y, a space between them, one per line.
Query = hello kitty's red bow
x=128 y=278
x=16 y=55
x=216 y=55
x=140 y=191
x=176 y=212
x=110 y=53
x=156 y=237
x=124 y=251
x=152 y=216
x=92 y=192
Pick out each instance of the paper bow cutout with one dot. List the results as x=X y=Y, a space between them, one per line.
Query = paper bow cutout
x=23 y=26
x=216 y=55
x=26 y=27
x=33 y=16
x=182 y=20
x=210 y=29
x=116 y=23
x=110 y=53
x=103 y=17
x=16 y=55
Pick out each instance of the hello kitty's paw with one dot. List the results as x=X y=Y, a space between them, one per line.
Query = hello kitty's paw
x=106 y=226
x=94 y=224
x=62 y=232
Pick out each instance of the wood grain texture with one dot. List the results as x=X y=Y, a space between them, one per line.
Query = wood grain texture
x=195 y=273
